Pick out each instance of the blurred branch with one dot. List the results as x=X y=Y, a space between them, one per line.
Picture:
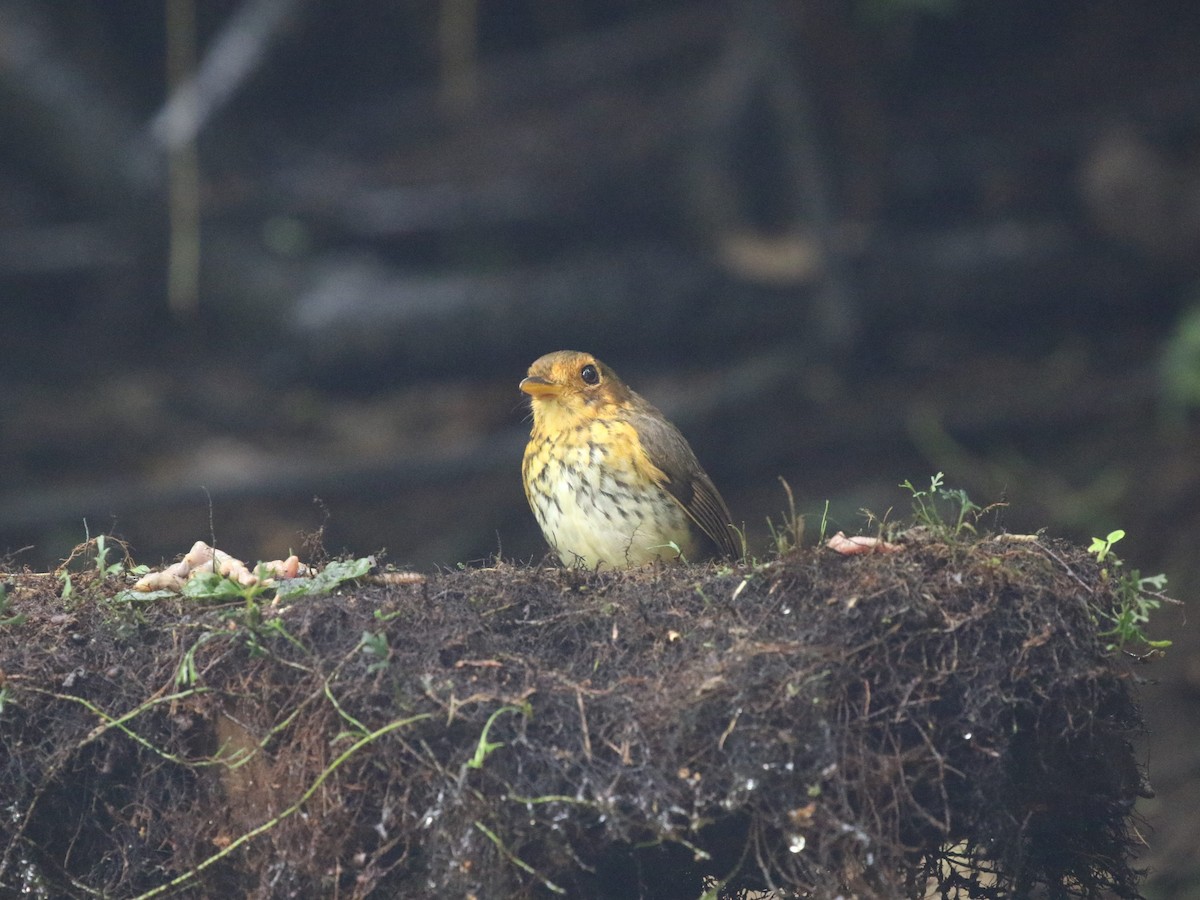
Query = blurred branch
x=183 y=166
x=62 y=117
x=197 y=94
x=236 y=53
x=458 y=31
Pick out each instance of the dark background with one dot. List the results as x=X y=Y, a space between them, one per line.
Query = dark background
x=841 y=243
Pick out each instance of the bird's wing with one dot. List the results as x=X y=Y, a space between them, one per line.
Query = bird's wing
x=686 y=481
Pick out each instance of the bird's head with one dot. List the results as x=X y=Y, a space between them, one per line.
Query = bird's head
x=568 y=387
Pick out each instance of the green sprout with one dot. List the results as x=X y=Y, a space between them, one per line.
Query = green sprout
x=1102 y=546
x=486 y=748
x=1136 y=597
x=964 y=512
x=375 y=644
x=103 y=566
x=5 y=605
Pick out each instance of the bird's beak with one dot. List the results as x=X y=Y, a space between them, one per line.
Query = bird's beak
x=536 y=386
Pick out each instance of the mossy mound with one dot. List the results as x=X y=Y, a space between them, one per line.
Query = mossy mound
x=944 y=718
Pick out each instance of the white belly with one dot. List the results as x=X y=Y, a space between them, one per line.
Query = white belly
x=594 y=518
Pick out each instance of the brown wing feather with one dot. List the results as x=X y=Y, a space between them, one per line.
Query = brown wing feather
x=687 y=482
x=708 y=510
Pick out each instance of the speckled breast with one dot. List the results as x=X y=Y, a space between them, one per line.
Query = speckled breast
x=594 y=507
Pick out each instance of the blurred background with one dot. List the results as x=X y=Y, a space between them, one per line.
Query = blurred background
x=269 y=267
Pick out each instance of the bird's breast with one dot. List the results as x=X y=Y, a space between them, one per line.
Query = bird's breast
x=597 y=500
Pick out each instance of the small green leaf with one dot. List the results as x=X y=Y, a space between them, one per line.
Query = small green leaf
x=213 y=587
x=132 y=596
x=326 y=580
x=375 y=644
x=484 y=748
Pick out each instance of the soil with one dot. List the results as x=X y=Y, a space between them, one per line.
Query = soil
x=948 y=718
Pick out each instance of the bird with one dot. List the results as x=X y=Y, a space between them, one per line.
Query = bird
x=610 y=481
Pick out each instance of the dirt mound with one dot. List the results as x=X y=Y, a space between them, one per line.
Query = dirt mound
x=948 y=717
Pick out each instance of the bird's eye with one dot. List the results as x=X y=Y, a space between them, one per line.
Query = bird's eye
x=589 y=374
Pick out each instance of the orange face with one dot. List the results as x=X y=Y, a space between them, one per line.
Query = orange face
x=568 y=385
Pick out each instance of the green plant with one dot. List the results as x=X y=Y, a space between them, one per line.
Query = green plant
x=98 y=549
x=485 y=748
x=375 y=644
x=674 y=548
x=330 y=577
x=101 y=547
x=5 y=605
x=256 y=629
x=788 y=534
x=214 y=587
x=928 y=505
x=188 y=673
x=1136 y=597
x=103 y=567
x=132 y=599
x=1101 y=546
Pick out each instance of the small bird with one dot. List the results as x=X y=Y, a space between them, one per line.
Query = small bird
x=611 y=481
